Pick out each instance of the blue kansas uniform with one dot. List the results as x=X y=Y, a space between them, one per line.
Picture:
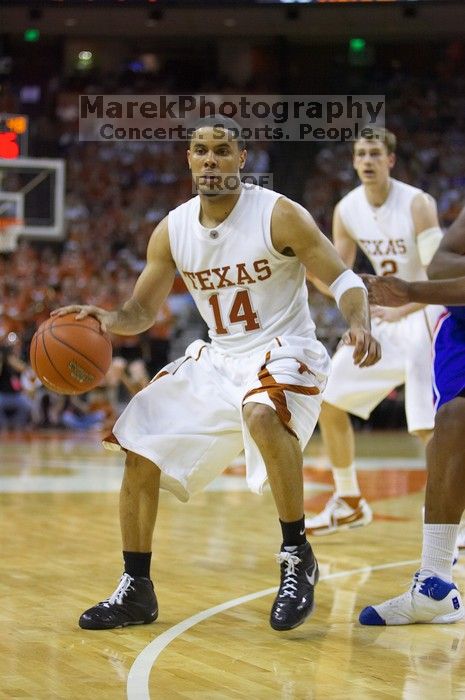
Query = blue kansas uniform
x=449 y=356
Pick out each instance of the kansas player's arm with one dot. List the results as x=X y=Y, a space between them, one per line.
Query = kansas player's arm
x=392 y=291
x=449 y=259
x=294 y=232
x=151 y=289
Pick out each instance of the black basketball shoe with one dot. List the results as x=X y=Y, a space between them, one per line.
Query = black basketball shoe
x=299 y=576
x=133 y=603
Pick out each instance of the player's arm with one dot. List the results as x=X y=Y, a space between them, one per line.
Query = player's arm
x=392 y=291
x=293 y=230
x=150 y=291
x=449 y=259
x=428 y=237
x=345 y=247
x=450 y=292
x=427 y=229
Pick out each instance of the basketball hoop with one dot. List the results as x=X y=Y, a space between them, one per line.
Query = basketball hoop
x=10 y=229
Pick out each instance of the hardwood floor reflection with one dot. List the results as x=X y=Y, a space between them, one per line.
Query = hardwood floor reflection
x=60 y=548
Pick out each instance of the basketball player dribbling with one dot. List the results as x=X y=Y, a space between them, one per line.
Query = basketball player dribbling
x=257 y=386
x=434 y=597
x=396 y=226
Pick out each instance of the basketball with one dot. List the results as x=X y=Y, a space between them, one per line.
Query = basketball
x=69 y=356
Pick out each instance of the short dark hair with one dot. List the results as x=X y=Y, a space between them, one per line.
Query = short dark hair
x=378 y=133
x=224 y=123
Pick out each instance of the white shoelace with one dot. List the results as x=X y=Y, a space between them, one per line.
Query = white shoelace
x=289 y=586
x=117 y=596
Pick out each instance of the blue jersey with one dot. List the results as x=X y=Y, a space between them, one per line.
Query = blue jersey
x=449 y=356
x=457 y=312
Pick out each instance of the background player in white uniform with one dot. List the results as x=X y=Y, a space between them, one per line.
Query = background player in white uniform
x=396 y=226
x=258 y=384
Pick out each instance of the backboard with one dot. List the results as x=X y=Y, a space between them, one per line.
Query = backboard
x=32 y=193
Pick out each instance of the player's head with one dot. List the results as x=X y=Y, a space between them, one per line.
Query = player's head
x=375 y=155
x=216 y=156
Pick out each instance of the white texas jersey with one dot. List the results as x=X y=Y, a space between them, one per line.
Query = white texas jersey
x=386 y=234
x=247 y=292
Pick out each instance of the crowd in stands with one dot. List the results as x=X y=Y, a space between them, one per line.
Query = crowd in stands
x=117 y=193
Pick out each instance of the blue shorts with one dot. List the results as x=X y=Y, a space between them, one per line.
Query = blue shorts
x=449 y=359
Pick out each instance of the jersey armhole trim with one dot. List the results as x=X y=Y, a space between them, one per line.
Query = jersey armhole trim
x=269 y=240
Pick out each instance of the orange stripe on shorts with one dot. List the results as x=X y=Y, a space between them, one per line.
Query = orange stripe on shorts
x=275 y=391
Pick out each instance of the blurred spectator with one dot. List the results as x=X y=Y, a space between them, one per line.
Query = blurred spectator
x=118 y=192
x=80 y=414
x=15 y=405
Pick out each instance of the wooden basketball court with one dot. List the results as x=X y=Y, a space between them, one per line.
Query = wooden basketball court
x=215 y=575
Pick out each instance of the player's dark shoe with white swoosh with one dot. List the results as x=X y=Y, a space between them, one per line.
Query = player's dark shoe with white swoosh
x=133 y=603
x=299 y=576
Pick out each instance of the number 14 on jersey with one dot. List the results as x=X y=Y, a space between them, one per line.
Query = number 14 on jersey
x=241 y=312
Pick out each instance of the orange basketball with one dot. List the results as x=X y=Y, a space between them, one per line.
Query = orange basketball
x=69 y=356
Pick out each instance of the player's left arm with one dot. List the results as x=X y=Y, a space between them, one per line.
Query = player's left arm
x=428 y=233
x=427 y=230
x=428 y=237
x=294 y=232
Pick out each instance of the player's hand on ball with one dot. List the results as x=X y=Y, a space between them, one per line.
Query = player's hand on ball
x=83 y=310
x=70 y=356
x=367 y=350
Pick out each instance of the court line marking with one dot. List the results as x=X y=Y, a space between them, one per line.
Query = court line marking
x=105 y=477
x=137 y=686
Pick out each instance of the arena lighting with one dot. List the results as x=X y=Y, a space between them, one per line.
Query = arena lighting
x=85 y=60
x=357 y=45
x=223 y=3
x=31 y=35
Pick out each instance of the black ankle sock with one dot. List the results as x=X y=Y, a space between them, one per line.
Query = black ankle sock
x=137 y=563
x=293 y=533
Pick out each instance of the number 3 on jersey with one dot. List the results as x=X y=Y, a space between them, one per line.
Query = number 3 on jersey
x=241 y=312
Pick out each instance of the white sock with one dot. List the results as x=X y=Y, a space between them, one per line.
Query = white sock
x=346 y=481
x=438 y=550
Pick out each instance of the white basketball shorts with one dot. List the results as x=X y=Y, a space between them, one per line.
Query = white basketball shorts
x=406 y=347
x=188 y=420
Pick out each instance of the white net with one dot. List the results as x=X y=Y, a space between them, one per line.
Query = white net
x=9 y=232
